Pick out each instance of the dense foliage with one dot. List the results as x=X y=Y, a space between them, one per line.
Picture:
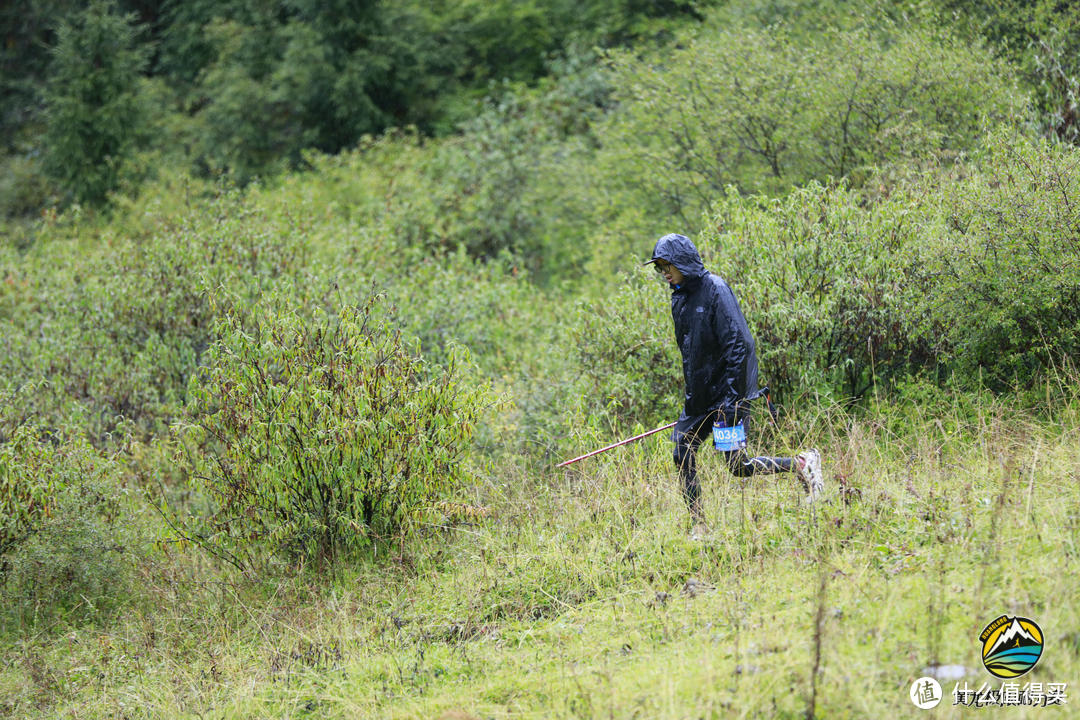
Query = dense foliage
x=422 y=285
x=628 y=360
x=1041 y=38
x=312 y=437
x=819 y=275
x=113 y=335
x=765 y=109
x=998 y=273
x=67 y=539
x=244 y=87
x=94 y=113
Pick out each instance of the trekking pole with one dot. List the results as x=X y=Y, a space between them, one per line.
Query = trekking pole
x=615 y=445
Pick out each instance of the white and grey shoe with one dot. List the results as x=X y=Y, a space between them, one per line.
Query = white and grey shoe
x=808 y=468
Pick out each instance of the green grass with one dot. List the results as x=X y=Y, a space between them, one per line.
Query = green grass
x=554 y=606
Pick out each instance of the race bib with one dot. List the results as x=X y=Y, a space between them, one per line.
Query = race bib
x=727 y=439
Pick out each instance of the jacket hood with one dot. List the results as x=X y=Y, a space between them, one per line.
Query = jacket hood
x=681 y=252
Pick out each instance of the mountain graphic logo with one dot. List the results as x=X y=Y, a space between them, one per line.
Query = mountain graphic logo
x=1011 y=646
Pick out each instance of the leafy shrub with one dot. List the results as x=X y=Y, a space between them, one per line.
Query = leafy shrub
x=1041 y=38
x=79 y=563
x=24 y=190
x=506 y=186
x=491 y=309
x=820 y=278
x=65 y=545
x=764 y=110
x=624 y=348
x=482 y=190
x=969 y=270
x=997 y=281
x=119 y=331
x=320 y=436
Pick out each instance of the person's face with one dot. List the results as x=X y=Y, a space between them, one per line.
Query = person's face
x=669 y=271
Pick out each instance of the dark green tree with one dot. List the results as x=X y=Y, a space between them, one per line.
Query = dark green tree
x=26 y=30
x=266 y=82
x=94 y=117
x=262 y=82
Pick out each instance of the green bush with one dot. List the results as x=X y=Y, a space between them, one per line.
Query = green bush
x=490 y=308
x=624 y=348
x=765 y=109
x=24 y=189
x=820 y=277
x=117 y=328
x=65 y=541
x=997 y=279
x=504 y=185
x=1041 y=38
x=317 y=437
x=968 y=270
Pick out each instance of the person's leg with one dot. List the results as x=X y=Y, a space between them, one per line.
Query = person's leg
x=806 y=465
x=741 y=465
x=686 y=446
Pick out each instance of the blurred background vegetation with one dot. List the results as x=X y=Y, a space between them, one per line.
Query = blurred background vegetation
x=220 y=219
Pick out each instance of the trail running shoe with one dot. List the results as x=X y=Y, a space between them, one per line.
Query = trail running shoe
x=699 y=532
x=808 y=468
x=699 y=527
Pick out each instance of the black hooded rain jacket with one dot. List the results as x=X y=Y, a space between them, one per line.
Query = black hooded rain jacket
x=720 y=367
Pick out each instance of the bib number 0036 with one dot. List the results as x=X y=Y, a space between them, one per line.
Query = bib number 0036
x=727 y=438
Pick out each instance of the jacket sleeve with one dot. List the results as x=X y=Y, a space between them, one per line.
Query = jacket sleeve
x=731 y=354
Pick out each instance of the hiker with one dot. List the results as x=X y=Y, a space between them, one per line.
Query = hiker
x=720 y=372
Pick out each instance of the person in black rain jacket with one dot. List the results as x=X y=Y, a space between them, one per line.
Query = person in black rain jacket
x=720 y=371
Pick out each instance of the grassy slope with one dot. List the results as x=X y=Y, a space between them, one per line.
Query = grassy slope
x=551 y=608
